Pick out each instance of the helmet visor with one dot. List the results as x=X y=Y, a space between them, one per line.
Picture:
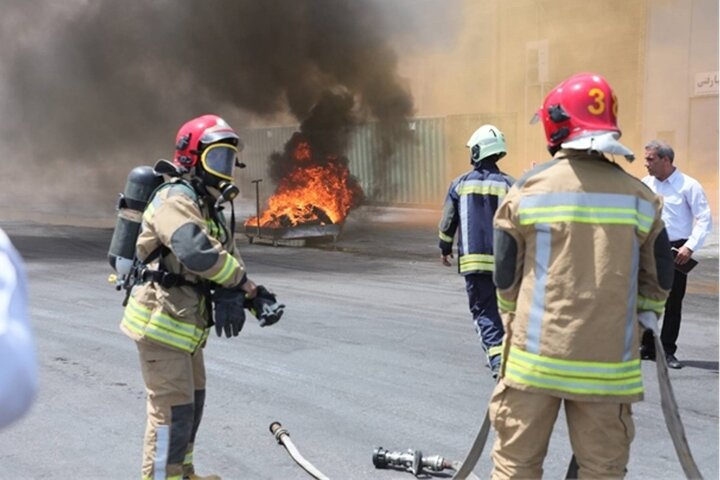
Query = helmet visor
x=219 y=160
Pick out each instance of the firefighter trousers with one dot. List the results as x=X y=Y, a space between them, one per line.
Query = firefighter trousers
x=175 y=386
x=600 y=434
x=483 y=306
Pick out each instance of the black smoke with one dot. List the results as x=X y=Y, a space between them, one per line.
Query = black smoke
x=98 y=87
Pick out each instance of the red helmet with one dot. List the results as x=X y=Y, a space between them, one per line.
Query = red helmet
x=581 y=113
x=194 y=138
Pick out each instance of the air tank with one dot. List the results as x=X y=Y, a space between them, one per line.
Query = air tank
x=141 y=183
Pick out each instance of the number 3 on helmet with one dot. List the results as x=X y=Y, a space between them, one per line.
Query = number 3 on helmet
x=581 y=113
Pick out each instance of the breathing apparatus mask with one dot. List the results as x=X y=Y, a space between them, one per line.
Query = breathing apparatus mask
x=216 y=167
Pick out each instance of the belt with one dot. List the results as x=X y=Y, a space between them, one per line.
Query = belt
x=166 y=279
x=678 y=243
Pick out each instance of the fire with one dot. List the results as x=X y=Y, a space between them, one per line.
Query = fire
x=317 y=194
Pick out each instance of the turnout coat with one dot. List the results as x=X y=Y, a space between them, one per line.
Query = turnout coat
x=580 y=249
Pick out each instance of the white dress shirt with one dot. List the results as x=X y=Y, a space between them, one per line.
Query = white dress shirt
x=685 y=208
x=18 y=364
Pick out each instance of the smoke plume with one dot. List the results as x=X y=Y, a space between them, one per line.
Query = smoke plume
x=95 y=88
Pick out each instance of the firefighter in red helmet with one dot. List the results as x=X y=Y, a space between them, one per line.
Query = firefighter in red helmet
x=580 y=252
x=190 y=276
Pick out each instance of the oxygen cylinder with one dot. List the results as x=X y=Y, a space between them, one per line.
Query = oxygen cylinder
x=141 y=183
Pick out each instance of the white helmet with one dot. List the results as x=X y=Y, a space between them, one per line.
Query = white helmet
x=487 y=140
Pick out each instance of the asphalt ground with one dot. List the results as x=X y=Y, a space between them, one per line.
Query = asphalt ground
x=376 y=349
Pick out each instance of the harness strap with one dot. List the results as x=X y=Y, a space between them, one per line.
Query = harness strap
x=166 y=279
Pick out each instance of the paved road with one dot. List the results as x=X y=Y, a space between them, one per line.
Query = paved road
x=376 y=349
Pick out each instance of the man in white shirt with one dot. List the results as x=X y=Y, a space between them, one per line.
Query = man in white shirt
x=18 y=364
x=688 y=221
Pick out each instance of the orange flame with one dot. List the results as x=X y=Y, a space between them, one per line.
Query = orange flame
x=313 y=193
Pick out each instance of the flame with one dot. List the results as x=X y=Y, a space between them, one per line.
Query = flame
x=319 y=194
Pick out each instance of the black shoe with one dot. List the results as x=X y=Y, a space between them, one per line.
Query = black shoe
x=646 y=353
x=673 y=362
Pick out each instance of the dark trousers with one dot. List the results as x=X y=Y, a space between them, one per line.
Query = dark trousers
x=673 y=314
x=483 y=306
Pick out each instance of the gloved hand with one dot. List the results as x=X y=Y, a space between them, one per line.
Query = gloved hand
x=229 y=313
x=265 y=307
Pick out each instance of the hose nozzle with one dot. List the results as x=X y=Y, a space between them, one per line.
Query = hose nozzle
x=411 y=460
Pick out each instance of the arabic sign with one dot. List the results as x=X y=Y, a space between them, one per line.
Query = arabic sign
x=706 y=83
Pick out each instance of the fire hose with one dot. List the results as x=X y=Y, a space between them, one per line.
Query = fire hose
x=283 y=437
x=668 y=403
x=416 y=463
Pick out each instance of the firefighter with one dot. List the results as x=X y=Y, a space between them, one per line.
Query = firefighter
x=470 y=204
x=580 y=252
x=189 y=260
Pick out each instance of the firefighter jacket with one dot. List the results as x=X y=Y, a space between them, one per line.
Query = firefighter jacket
x=193 y=243
x=468 y=211
x=580 y=249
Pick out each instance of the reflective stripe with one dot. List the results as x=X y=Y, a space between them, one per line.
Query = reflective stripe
x=477 y=261
x=228 y=268
x=631 y=301
x=506 y=305
x=587 y=378
x=149 y=212
x=595 y=208
x=162 y=447
x=495 y=350
x=537 y=308
x=464 y=228
x=188 y=460
x=645 y=303
x=445 y=238
x=213 y=228
x=482 y=187
x=162 y=327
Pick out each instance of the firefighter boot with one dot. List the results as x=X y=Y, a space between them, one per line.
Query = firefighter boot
x=189 y=474
x=193 y=476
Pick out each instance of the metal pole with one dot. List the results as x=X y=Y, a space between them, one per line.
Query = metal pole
x=257 y=203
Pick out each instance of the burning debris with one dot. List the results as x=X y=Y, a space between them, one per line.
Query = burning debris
x=314 y=184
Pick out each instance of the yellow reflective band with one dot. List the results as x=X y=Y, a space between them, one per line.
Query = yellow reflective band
x=645 y=303
x=162 y=327
x=445 y=238
x=477 y=257
x=481 y=190
x=470 y=266
x=188 y=460
x=136 y=316
x=506 y=305
x=477 y=261
x=166 y=321
x=149 y=212
x=590 y=215
x=579 y=377
x=495 y=350
x=229 y=267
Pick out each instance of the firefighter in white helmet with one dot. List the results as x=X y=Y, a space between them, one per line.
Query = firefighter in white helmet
x=190 y=275
x=580 y=252
x=470 y=204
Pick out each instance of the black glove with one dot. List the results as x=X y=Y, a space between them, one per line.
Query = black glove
x=229 y=313
x=265 y=307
